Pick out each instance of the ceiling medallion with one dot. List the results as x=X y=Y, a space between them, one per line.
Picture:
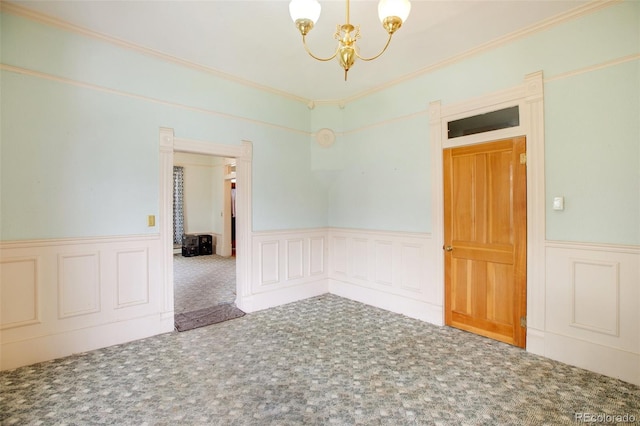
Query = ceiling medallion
x=325 y=137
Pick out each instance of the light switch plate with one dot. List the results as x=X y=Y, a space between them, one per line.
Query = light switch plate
x=558 y=203
x=151 y=220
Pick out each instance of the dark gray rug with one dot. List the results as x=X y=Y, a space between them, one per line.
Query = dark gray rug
x=207 y=316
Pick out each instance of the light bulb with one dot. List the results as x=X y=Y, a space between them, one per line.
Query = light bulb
x=304 y=9
x=399 y=8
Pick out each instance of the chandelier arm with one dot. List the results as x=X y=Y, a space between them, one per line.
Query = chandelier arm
x=379 y=54
x=304 y=42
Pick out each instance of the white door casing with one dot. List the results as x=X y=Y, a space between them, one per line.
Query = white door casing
x=243 y=154
x=529 y=97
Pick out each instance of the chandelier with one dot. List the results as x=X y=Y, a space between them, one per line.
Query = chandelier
x=305 y=14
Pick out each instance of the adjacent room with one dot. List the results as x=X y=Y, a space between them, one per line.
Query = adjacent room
x=439 y=224
x=204 y=262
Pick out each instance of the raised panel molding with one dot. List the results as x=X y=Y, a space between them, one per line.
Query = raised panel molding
x=269 y=262
x=399 y=260
x=132 y=278
x=359 y=258
x=596 y=292
x=288 y=258
x=295 y=256
x=579 y=278
x=411 y=264
x=338 y=253
x=593 y=294
x=65 y=296
x=386 y=269
x=19 y=295
x=383 y=268
x=316 y=256
x=287 y=266
x=593 y=308
x=78 y=284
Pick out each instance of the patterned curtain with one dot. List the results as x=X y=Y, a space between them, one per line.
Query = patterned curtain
x=178 y=204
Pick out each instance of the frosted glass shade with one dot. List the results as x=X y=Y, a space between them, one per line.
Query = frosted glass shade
x=304 y=9
x=399 y=8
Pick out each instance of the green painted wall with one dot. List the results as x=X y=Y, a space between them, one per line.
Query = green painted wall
x=83 y=161
x=385 y=183
x=592 y=131
x=593 y=155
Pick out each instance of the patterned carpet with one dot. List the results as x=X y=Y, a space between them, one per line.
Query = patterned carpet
x=321 y=361
x=203 y=281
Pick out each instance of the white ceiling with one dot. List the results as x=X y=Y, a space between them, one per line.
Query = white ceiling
x=256 y=40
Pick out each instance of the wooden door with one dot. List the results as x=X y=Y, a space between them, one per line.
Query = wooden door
x=486 y=238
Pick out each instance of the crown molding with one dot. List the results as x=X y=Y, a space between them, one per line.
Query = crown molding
x=24 y=12
x=577 y=12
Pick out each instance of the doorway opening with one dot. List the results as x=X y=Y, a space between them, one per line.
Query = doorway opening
x=242 y=155
x=529 y=97
x=204 y=268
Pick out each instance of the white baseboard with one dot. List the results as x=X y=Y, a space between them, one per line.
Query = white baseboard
x=412 y=308
x=535 y=341
x=265 y=300
x=44 y=348
x=601 y=359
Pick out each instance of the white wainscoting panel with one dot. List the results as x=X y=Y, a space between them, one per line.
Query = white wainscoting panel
x=300 y=254
x=383 y=269
x=269 y=255
x=316 y=255
x=78 y=284
x=133 y=277
x=61 y=297
x=359 y=259
x=593 y=303
x=390 y=270
x=19 y=294
x=412 y=266
x=295 y=263
x=339 y=256
x=596 y=294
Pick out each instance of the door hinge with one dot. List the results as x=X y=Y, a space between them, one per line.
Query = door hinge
x=523 y=322
x=523 y=158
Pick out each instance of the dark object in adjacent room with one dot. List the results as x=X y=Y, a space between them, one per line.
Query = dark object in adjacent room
x=190 y=245
x=205 y=244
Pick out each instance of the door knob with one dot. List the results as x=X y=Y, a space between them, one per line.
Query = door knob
x=448 y=248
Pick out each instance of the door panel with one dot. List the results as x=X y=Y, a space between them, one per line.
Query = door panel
x=485 y=237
